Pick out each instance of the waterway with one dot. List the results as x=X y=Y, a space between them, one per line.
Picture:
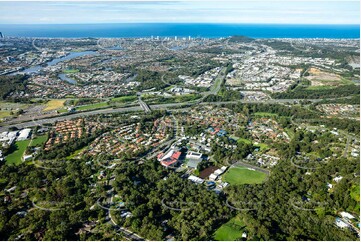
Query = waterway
x=55 y=61
x=64 y=77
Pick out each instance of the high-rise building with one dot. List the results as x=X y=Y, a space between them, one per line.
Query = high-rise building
x=1 y=35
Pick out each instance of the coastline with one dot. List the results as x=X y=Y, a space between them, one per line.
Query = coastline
x=194 y=30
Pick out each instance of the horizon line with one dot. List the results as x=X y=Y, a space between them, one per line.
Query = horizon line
x=330 y=24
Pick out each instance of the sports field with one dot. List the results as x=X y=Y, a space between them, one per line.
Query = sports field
x=15 y=157
x=230 y=231
x=242 y=175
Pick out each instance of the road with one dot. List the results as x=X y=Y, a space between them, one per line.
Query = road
x=144 y=106
x=216 y=85
x=129 y=235
x=30 y=123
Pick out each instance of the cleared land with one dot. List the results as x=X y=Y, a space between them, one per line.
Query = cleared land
x=230 y=231
x=15 y=157
x=321 y=79
x=54 y=104
x=240 y=175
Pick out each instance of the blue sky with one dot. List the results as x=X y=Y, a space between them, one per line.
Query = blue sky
x=282 y=12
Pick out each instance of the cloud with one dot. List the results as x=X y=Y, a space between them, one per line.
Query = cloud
x=293 y=12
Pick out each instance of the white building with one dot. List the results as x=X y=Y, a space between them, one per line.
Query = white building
x=213 y=177
x=337 y=178
x=196 y=179
x=341 y=224
x=347 y=215
x=27 y=157
x=218 y=172
x=24 y=134
x=193 y=155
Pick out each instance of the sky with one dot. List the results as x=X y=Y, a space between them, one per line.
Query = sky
x=176 y=11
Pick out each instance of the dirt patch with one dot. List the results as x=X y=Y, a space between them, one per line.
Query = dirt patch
x=323 y=78
x=206 y=172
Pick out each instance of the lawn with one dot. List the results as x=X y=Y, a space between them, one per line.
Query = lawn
x=230 y=231
x=92 y=106
x=68 y=71
x=242 y=175
x=124 y=99
x=246 y=141
x=15 y=156
x=75 y=153
x=40 y=140
x=4 y=114
x=54 y=104
x=262 y=146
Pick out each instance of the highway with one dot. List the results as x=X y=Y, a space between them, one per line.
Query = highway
x=31 y=123
x=144 y=106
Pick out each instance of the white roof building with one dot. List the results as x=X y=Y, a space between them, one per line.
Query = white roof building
x=213 y=177
x=347 y=215
x=196 y=179
x=27 y=157
x=224 y=168
x=24 y=134
x=341 y=224
x=193 y=155
x=337 y=178
x=218 y=172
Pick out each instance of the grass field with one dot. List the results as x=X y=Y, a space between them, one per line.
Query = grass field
x=92 y=106
x=54 y=104
x=246 y=141
x=230 y=231
x=40 y=140
x=75 y=153
x=15 y=157
x=262 y=146
x=241 y=175
x=4 y=114
x=68 y=71
x=124 y=99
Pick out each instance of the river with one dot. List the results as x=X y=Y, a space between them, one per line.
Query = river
x=55 y=61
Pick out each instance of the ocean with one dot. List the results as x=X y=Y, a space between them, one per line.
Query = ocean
x=180 y=30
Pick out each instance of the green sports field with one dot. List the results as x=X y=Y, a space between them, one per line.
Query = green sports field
x=242 y=175
x=14 y=158
x=230 y=231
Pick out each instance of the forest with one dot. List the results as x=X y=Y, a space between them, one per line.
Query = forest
x=11 y=84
